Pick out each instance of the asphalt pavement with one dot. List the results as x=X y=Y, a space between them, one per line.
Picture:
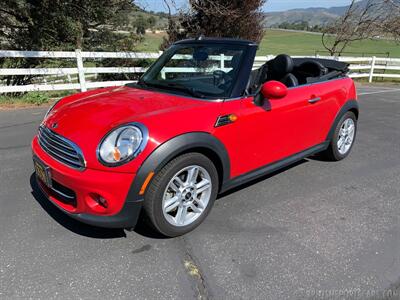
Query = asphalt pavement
x=316 y=230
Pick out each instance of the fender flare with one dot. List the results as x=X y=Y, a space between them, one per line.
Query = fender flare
x=172 y=148
x=349 y=105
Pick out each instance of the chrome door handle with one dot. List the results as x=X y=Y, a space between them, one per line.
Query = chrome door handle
x=314 y=100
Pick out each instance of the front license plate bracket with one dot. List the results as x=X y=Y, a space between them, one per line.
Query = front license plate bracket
x=43 y=172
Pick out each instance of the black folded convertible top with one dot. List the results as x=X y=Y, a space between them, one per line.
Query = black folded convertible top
x=328 y=63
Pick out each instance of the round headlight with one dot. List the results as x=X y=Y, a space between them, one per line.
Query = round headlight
x=122 y=144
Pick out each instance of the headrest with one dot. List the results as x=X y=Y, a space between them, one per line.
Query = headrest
x=313 y=68
x=281 y=65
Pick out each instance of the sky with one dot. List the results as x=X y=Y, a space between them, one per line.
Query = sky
x=272 y=5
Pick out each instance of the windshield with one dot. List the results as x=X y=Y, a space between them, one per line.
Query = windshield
x=202 y=71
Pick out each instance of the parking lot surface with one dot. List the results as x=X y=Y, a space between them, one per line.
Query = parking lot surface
x=316 y=230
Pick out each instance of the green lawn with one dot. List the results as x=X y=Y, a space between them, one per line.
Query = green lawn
x=296 y=43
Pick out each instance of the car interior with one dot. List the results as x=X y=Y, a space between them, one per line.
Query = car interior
x=294 y=72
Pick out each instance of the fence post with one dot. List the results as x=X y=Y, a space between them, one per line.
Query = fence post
x=222 y=63
x=81 y=71
x=371 y=72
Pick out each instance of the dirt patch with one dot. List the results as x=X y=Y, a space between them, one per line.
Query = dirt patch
x=13 y=106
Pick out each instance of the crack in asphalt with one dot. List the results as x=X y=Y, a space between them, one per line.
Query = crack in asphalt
x=194 y=271
x=14 y=147
x=17 y=125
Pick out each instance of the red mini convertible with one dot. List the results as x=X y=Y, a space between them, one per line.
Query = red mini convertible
x=200 y=121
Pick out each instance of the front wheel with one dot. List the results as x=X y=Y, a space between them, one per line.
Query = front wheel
x=182 y=194
x=343 y=138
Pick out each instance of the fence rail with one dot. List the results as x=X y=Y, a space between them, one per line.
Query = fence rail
x=360 y=67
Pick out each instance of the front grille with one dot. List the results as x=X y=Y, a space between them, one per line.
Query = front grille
x=60 y=148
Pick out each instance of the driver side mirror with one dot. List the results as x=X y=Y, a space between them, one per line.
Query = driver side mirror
x=274 y=90
x=271 y=90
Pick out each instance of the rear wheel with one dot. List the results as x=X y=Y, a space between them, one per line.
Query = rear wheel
x=343 y=138
x=182 y=194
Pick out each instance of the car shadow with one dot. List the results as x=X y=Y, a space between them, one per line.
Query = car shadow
x=146 y=229
x=320 y=157
x=262 y=178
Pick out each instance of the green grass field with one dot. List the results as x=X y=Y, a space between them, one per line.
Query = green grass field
x=297 y=43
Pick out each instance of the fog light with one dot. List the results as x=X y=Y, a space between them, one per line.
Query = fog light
x=101 y=201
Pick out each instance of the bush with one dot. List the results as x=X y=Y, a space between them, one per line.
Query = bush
x=35 y=98
x=32 y=98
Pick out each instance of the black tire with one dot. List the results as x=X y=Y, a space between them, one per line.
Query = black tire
x=332 y=153
x=155 y=192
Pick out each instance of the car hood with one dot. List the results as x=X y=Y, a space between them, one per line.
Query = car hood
x=109 y=108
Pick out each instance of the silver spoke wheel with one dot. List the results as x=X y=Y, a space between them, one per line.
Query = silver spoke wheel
x=187 y=195
x=346 y=136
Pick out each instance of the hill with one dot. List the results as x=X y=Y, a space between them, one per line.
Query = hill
x=314 y=16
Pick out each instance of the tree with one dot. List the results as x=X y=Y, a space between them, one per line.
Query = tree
x=62 y=25
x=392 y=25
x=66 y=24
x=141 y=25
x=151 y=21
x=300 y=25
x=218 y=18
x=362 y=20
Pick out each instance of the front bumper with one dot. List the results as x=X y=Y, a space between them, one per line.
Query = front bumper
x=80 y=191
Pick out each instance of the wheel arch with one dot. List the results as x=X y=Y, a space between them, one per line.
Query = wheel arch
x=200 y=142
x=355 y=111
x=211 y=155
x=351 y=105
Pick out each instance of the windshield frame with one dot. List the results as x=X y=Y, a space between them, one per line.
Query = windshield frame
x=240 y=78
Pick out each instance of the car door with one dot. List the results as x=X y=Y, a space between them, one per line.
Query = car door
x=333 y=94
x=279 y=128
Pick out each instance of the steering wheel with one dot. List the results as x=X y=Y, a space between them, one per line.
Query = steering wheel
x=220 y=78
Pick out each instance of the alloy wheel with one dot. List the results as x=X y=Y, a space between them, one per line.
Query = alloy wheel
x=346 y=136
x=187 y=195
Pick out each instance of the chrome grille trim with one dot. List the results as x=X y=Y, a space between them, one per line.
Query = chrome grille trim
x=61 y=149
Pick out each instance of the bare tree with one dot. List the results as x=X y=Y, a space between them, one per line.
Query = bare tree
x=362 y=20
x=218 y=18
x=174 y=32
x=391 y=25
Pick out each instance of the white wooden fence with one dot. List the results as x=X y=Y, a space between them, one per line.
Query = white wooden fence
x=361 y=67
